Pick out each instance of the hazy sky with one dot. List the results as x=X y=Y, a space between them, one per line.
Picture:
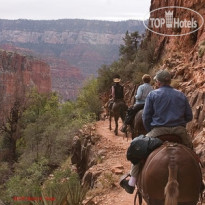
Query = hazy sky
x=86 y=9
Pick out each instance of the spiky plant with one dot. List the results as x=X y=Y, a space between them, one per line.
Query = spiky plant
x=76 y=192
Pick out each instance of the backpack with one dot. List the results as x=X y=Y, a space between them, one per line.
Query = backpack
x=141 y=147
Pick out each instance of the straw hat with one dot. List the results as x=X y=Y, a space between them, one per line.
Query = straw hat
x=116 y=79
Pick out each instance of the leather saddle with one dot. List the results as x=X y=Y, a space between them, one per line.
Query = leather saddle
x=170 y=138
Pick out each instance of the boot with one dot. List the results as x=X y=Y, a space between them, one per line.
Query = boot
x=124 y=184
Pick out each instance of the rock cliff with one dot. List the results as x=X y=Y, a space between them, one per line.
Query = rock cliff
x=18 y=73
x=79 y=46
x=184 y=56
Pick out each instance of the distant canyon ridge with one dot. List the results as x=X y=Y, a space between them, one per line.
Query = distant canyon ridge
x=74 y=49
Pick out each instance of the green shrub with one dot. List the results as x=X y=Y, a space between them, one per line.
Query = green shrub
x=5 y=172
x=88 y=101
x=47 y=128
x=27 y=181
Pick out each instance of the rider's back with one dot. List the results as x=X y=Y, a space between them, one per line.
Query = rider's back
x=118 y=89
x=170 y=107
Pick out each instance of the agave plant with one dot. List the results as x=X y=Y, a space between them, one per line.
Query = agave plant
x=69 y=193
x=76 y=192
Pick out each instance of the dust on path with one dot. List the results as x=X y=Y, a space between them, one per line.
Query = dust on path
x=116 y=148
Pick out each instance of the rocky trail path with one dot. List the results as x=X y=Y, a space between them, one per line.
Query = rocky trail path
x=114 y=162
x=113 y=165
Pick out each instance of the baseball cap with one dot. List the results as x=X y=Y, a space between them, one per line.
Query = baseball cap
x=163 y=76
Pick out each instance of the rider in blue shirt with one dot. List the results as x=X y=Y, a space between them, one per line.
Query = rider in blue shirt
x=166 y=107
x=142 y=92
x=167 y=110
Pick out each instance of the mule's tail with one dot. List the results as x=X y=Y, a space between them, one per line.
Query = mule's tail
x=171 y=190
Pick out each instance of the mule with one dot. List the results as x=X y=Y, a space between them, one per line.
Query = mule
x=171 y=175
x=137 y=127
x=117 y=111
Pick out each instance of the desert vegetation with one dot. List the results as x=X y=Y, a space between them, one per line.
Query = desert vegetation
x=46 y=127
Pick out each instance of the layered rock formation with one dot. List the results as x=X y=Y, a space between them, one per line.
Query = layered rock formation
x=80 y=47
x=66 y=79
x=18 y=74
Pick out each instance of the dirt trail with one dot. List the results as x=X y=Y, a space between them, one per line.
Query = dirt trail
x=116 y=148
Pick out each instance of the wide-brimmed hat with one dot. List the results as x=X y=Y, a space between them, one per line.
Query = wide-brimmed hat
x=116 y=78
x=163 y=76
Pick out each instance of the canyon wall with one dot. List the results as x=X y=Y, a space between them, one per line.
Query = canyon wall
x=74 y=49
x=184 y=56
x=18 y=74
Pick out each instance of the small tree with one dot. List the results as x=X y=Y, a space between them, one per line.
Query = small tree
x=130 y=47
x=88 y=99
x=9 y=128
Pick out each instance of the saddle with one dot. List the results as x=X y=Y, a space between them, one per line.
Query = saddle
x=170 y=138
x=164 y=138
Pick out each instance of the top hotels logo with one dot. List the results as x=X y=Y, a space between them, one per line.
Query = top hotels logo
x=169 y=25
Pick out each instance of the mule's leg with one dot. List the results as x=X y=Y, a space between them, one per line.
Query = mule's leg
x=133 y=133
x=116 y=125
x=110 y=119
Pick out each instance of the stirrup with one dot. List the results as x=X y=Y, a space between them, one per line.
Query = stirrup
x=124 y=177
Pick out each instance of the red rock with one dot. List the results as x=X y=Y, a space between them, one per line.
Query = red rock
x=19 y=73
x=117 y=169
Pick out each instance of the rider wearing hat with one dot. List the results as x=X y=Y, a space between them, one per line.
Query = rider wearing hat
x=117 y=92
x=117 y=89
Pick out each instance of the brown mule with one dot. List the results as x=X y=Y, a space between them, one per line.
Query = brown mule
x=118 y=110
x=137 y=127
x=171 y=175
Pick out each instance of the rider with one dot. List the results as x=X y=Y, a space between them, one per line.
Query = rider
x=117 y=89
x=166 y=111
x=117 y=92
x=142 y=92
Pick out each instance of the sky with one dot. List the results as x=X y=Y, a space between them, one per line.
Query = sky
x=114 y=10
